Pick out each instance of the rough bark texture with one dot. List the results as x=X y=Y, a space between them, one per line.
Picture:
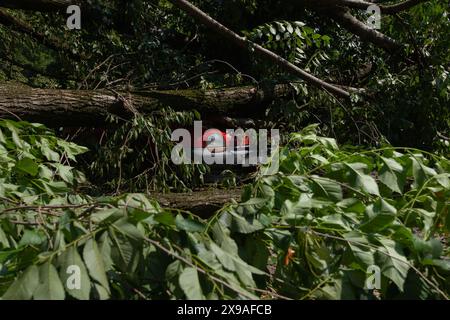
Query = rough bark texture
x=348 y=21
x=83 y=107
x=203 y=203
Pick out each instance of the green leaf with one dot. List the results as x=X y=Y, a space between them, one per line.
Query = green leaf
x=443 y=180
x=224 y=258
x=104 y=246
x=273 y=30
x=326 y=188
x=431 y=249
x=24 y=287
x=165 y=218
x=49 y=153
x=229 y=261
x=4 y=243
x=420 y=171
x=74 y=275
x=394 y=264
x=190 y=284
x=28 y=165
x=336 y=221
x=188 y=224
x=426 y=217
x=378 y=216
x=352 y=205
x=33 y=237
x=360 y=247
x=65 y=173
x=125 y=252
x=393 y=175
x=440 y=263
x=50 y=286
x=360 y=180
x=245 y=225
x=329 y=143
x=103 y=294
x=94 y=263
x=128 y=229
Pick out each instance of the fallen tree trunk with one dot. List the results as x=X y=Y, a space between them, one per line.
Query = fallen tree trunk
x=203 y=203
x=55 y=107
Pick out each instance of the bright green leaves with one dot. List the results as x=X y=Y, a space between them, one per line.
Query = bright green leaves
x=382 y=252
x=420 y=171
x=74 y=275
x=45 y=282
x=37 y=282
x=379 y=216
x=189 y=225
x=374 y=201
x=32 y=156
x=94 y=263
x=190 y=284
x=50 y=286
x=392 y=174
x=322 y=221
x=24 y=287
x=292 y=38
x=394 y=264
x=28 y=165
x=65 y=173
x=326 y=188
x=360 y=180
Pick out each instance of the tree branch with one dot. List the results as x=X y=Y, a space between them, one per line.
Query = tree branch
x=250 y=46
x=91 y=107
x=349 y=22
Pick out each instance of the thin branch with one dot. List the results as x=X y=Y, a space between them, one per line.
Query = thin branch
x=349 y=22
x=242 y=42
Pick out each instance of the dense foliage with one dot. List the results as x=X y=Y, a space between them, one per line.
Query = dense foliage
x=310 y=231
x=367 y=186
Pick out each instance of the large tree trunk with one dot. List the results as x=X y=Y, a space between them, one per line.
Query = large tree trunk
x=56 y=107
x=203 y=203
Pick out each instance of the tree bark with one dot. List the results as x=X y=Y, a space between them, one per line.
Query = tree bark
x=349 y=22
x=78 y=108
x=203 y=203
